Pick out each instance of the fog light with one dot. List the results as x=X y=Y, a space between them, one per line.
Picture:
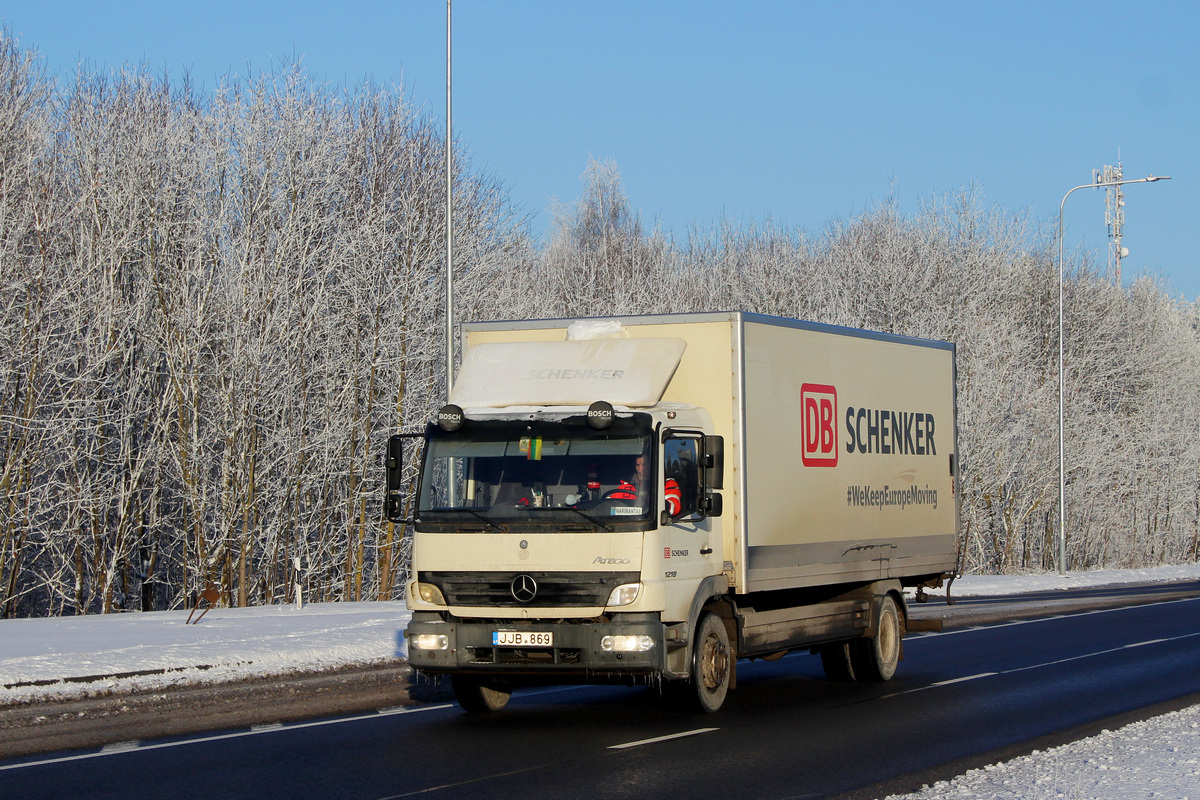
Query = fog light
x=627 y=643
x=624 y=594
x=429 y=641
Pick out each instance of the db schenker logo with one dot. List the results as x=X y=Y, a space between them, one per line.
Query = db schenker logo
x=818 y=408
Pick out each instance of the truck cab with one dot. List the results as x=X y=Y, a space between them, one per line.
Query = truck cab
x=586 y=529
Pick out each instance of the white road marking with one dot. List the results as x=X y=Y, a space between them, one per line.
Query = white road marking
x=1057 y=617
x=668 y=737
x=1054 y=663
x=964 y=679
x=123 y=747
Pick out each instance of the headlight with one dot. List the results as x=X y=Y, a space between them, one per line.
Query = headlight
x=429 y=641
x=624 y=594
x=429 y=593
x=627 y=644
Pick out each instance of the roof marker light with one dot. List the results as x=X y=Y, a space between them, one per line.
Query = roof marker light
x=450 y=418
x=600 y=415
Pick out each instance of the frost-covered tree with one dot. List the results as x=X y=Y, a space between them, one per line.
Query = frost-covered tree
x=987 y=280
x=216 y=308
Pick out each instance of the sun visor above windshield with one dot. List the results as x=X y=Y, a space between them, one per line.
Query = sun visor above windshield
x=625 y=372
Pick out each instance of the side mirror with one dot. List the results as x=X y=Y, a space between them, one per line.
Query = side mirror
x=712 y=504
x=714 y=476
x=714 y=463
x=393 y=501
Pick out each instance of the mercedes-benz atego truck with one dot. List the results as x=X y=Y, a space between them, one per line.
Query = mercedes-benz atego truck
x=650 y=499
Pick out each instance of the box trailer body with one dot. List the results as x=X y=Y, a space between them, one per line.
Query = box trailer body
x=651 y=498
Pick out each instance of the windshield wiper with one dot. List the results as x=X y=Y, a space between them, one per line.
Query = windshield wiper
x=482 y=518
x=588 y=517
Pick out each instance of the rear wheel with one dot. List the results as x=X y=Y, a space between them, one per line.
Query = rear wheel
x=877 y=659
x=478 y=695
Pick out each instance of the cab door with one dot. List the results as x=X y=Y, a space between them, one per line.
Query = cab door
x=691 y=539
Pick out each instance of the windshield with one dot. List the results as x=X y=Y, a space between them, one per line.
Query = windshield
x=501 y=474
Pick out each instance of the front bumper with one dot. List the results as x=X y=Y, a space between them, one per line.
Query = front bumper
x=577 y=647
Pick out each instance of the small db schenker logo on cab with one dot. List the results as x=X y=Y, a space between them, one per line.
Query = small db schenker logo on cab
x=818 y=410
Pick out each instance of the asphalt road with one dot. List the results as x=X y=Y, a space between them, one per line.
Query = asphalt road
x=962 y=698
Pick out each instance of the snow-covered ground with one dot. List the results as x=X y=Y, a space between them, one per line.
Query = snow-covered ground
x=70 y=657
x=1157 y=758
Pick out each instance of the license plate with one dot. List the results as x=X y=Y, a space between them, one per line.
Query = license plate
x=522 y=639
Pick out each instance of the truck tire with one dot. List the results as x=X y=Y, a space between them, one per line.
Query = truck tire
x=712 y=663
x=876 y=659
x=837 y=663
x=478 y=695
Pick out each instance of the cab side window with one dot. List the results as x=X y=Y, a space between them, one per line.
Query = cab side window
x=681 y=477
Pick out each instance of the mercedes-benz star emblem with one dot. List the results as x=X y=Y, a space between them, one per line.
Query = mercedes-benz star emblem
x=524 y=588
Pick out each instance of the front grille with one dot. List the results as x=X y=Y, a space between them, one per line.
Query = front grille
x=504 y=655
x=554 y=589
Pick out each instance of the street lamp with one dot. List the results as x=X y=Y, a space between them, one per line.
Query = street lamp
x=449 y=221
x=1062 y=481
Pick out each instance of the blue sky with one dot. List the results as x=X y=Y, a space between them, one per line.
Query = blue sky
x=803 y=112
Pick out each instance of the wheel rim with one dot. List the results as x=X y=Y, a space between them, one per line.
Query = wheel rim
x=888 y=638
x=714 y=664
x=493 y=698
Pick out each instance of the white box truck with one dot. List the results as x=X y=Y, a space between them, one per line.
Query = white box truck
x=650 y=499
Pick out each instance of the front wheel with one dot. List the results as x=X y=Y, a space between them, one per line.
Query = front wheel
x=712 y=663
x=477 y=695
x=877 y=659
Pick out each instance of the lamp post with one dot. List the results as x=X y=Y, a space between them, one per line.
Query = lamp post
x=1062 y=479
x=449 y=222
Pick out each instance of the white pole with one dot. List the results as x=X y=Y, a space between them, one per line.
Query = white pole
x=299 y=583
x=449 y=222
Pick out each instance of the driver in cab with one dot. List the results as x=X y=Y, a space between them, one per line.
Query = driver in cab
x=632 y=489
